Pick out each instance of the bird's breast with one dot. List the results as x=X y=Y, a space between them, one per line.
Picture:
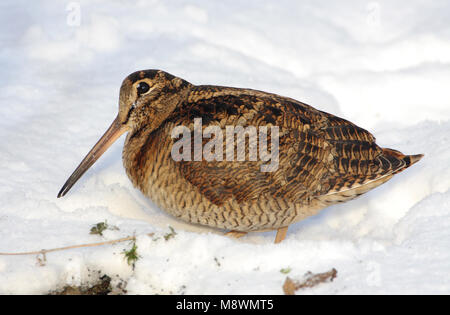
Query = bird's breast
x=149 y=165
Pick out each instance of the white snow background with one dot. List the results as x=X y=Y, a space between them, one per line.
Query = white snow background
x=384 y=65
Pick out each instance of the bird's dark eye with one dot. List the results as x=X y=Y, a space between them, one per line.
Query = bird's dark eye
x=142 y=88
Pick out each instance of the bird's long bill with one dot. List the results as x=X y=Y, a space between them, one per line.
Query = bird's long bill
x=111 y=135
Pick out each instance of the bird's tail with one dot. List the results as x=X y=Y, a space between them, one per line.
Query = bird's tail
x=399 y=161
x=390 y=161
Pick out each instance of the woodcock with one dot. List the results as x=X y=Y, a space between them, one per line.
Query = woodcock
x=322 y=159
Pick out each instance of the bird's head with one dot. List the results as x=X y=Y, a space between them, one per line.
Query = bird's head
x=146 y=99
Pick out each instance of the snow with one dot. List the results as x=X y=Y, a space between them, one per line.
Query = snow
x=384 y=65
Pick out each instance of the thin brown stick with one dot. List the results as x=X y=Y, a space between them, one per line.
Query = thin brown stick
x=44 y=251
x=312 y=280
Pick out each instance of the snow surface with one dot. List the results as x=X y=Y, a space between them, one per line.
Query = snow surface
x=384 y=65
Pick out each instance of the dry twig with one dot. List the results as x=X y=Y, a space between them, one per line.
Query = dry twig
x=312 y=280
x=45 y=251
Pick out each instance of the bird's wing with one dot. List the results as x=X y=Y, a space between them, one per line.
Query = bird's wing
x=316 y=149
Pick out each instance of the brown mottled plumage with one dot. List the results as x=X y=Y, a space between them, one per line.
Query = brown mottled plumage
x=323 y=159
